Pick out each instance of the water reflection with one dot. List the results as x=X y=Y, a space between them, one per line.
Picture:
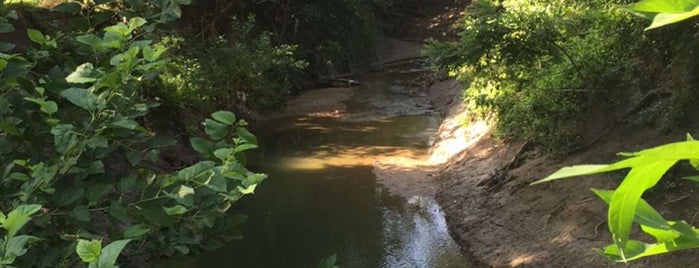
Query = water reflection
x=323 y=198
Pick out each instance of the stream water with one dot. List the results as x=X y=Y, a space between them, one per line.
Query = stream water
x=323 y=197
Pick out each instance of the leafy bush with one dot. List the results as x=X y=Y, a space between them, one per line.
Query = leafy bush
x=72 y=139
x=249 y=71
x=647 y=167
x=535 y=65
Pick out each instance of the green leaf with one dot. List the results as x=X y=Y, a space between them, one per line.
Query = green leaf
x=574 y=171
x=176 y=210
x=6 y=27
x=80 y=213
x=69 y=7
x=36 y=36
x=63 y=137
x=89 y=251
x=133 y=157
x=19 y=217
x=136 y=22
x=136 y=231
x=248 y=190
x=664 y=12
x=245 y=147
x=91 y=40
x=49 y=107
x=204 y=147
x=225 y=117
x=110 y=253
x=246 y=135
x=215 y=130
x=645 y=215
x=625 y=199
x=692 y=178
x=185 y=196
x=223 y=153
x=17 y=246
x=85 y=73
x=125 y=123
x=5 y=47
x=81 y=97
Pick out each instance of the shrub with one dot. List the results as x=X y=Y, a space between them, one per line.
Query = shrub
x=536 y=65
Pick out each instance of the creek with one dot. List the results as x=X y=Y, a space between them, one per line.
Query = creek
x=352 y=181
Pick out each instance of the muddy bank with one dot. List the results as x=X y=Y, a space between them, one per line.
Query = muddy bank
x=501 y=221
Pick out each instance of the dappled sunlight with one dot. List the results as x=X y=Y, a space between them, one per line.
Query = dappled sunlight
x=457 y=139
x=348 y=157
x=522 y=259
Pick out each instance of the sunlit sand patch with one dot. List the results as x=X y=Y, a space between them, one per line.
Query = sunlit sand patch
x=348 y=157
x=457 y=139
x=522 y=260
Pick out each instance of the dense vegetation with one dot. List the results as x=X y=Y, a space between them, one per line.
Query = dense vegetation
x=86 y=85
x=647 y=168
x=79 y=156
x=537 y=66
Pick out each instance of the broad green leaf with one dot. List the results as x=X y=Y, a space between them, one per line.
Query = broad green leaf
x=110 y=253
x=85 y=73
x=204 y=147
x=63 y=137
x=225 y=117
x=137 y=22
x=664 y=6
x=18 y=217
x=17 y=246
x=91 y=40
x=248 y=190
x=215 y=130
x=223 y=153
x=176 y=210
x=645 y=213
x=69 y=7
x=89 y=251
x=245 y=147
x=133 y=157
x=36 y=36
x=246 y=135
x=664 y=12
x=196 y=171
x=5 y=47
x=6 y=27
x=625 y=199
x=81 y=97
x=573 y=171
x=80 y=213
x=185 y=196
x=49 y=107
x=125 y=123
x=136 y=231
x=692 y=178
x=637 y=249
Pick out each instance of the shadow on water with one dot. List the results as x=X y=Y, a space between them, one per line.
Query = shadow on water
x=323 y=198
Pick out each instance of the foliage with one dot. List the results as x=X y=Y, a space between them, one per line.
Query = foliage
x=73 y=139
x=665 y=12
x=535 y=65
x=13 y=245
x=249 y=72
x=92 y=252
x=626 y=206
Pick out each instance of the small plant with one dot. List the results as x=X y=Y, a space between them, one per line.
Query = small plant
x=91 y=252
x=13 y=245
